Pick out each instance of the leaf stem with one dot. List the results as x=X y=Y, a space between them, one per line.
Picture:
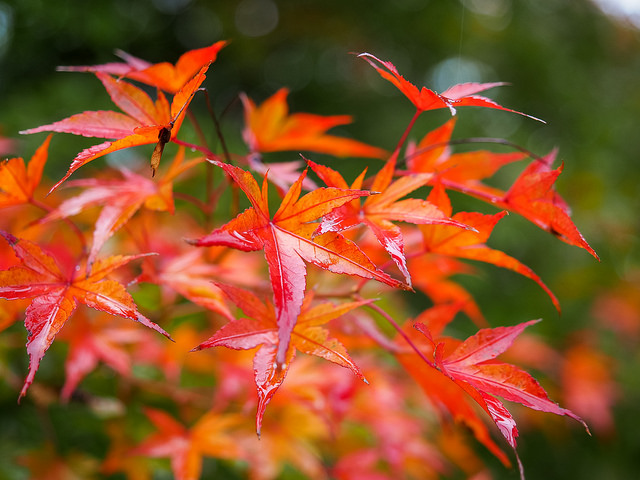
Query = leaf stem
x=395 y=325
x=198 y=128
x=219 y=134
x=407 y=130
x=209 y=154
x=193 y=200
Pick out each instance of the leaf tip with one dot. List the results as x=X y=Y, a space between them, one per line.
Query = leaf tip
x=11 y=239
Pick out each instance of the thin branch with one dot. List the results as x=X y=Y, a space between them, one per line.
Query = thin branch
x=216 y=123
x=208 y=153
x=191 y=199
x=405 y=135
x=395 y=325
x=196 y=125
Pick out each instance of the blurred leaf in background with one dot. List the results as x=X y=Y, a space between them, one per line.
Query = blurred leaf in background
x=574 y=64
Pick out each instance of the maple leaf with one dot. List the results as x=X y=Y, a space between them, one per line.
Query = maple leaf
x=270 y=128
x=397 y=437
x=460 y=95
x=449 y=400
x=287 y=240
x=121 y=199
x=291 y=439
x=377 y=211
x=588 y=385
x=260 y=329
x=472 y=367
x=164 y=75
x=210 y=436
x=95 y=339
x=17 y=181
x=56 y=294
x=144 y=121
x=532 y=195
x=468 y=244
x=464 y=170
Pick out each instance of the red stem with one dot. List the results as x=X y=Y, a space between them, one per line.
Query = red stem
x=395 y=325
x=210 y=155
x=407 y=130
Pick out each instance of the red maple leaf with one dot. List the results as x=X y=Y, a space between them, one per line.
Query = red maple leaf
x=461 y=95
x=121 y=199
x=472 y=367
x=449 y=400
x=260 y=329
x=288 y=241
x=378 y=211
x=532 y=195
x=144 y=121
x=270 y=128
x=56 y=294
x=164 y=75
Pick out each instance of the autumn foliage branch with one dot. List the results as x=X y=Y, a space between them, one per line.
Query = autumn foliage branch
x=315 y=266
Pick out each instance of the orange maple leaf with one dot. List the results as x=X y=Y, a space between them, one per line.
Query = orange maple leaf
x=470 y=244
x=164 y=75
x=144 y=121
x=270 y=128
x=464 y=170
x=17 y=181
x=210 y=436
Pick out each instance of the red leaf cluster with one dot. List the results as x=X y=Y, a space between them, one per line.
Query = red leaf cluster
x=317 y=275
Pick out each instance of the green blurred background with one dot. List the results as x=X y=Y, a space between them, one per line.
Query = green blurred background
x=567 y=62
